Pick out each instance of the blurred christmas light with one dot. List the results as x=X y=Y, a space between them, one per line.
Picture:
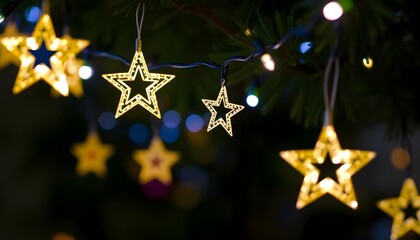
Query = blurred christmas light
x=332 y=11
x=194 y=123
x=395 y=208
x=266 y=58
x=367 y=62
x=252 y=100
x=107 y=121
x=85 y=72
x=169 y=135
x=32 y=14
x=138 y=133
x=305 y=46
x=400 y=158
x=156 y=162
x=171 y=119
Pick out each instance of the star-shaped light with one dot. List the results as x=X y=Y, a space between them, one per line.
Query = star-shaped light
x=156 y=80
x=234 y=109
x=92 y=155
x=395 y=207
x=313 y=188
x=156 y=162
x=10 y=30
x=42 y=56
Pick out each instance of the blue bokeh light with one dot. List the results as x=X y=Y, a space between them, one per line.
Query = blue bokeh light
x=194 y=123
x=171 y=119
x=32 y=14
x=107 y=120
x=305 y=46
x=138 y=133
x=169 y=135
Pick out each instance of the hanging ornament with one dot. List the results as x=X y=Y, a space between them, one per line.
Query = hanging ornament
x=156 y=80
x=234 y=109
x=395 y=207
x=156 y=162
x=351 y=161
x=312 y=187
x=92 y=155
x=10 y=30
x=138 y=67
x=43 y=56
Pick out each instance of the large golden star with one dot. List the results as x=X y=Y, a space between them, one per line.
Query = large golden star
x=10 y=30
x=92 y=155
x=47 y=62
x=234 y=109
x=149 y=102
x=313 y=187
x=395 y=207
x=156 y=162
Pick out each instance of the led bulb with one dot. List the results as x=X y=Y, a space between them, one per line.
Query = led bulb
x=332 y=11
x=2 y=18
x=85 y=72
x=268 y=62
x=252 y=100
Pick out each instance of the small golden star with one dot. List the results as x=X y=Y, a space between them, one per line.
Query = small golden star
x=395 y=207
x=42 y=56
x=92 y=155
x=156 y=162
x=313 y=187
x=149 y=102
x=234 y=109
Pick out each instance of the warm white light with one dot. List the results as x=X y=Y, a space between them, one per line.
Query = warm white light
x=268 y=62
x=367 y=62
x=332 y=11
x=326 y=183
x=252 y=100
x=85 y=72
x=42 y=69
x=354 y=204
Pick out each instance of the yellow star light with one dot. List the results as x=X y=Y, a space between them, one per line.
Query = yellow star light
x=395 y=207
x=156 y=162
x=234 y=109
x=11 y=30
x=50 y=55
x=149 y=102
x=313 y=187
x=92 y=155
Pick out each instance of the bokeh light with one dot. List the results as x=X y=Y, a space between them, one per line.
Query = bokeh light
x=194 y=123
x=85 y=72
x=32 y=14
x=367 y=62
x=400 y=158
x=171 y=119
x=138 y=133
x=305 y=46
x=332 y=11
x=252 y=100
x=107 y=120
x=169 y=135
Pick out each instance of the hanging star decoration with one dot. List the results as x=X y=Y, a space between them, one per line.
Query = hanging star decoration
x=156 y=162
x=214 y=120
x=6 y=58
x=395 y=207
x=312 y=187
x=138 y=67
x=92 y=155
x=42 y=56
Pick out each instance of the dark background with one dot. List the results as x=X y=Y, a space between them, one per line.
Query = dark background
x=223 y=187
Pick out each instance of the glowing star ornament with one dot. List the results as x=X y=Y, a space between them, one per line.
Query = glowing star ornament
x=11 y=30
x=395 y=207
x=92 y=155
x=156 y=80
x=42 y=56
x=234 y=109
x=156 y=162
x=313 y=188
